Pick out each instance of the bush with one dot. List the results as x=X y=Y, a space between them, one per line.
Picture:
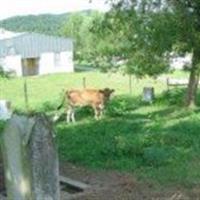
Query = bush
x=128 y=146
x=174 y=96
x=3 y=73
x=120 y=105
x=47 y=106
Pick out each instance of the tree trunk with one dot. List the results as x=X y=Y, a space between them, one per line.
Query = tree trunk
x=193 y=80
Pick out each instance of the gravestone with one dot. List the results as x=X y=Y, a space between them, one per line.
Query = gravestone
x=5 y=110
x=5 y=114
x=148 y=94
x=30 y=159
x=2 y=182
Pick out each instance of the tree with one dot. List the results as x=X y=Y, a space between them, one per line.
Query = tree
x=188 y=21
x=148 y=30
x=71 y=28
x=78 y=27
x=101 y=43
x=142 y=36
x=3 y=73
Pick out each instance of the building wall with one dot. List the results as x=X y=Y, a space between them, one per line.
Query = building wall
x=180 y=62
x=12 y=63
x=56 y=62
x=48 y=63
x=63 y=62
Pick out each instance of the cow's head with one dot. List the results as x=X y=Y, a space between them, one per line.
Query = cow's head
x=107 y=93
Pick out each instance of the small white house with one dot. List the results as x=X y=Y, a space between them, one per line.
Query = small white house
x=178 y=62
x=28 y=54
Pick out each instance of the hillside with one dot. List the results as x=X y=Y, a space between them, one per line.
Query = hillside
x=45 y=23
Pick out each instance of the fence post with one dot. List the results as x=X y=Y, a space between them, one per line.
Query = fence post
x=167 y=82
x=84 y=82
x=26 y=95
x=130 y=83
x=30 y=159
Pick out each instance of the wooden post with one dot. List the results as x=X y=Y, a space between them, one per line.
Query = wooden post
x=167 y=82
x=30 y=159
x=26 y=95
x=130 y=83
x=84 y=82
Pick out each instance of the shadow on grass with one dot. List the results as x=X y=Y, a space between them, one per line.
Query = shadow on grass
x=136 y=141
x=95 y=143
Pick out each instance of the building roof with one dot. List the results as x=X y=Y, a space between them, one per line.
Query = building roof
x=4 y=34
x=31 y=45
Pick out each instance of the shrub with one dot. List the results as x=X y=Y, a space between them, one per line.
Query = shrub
x=121 y=104
x=4 y=74
x=172 y=97
x=2 y=125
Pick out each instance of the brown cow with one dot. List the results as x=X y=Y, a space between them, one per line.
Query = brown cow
x=86 y=97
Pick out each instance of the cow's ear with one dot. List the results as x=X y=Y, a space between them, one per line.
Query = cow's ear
x=101 y=91
x=112 y=90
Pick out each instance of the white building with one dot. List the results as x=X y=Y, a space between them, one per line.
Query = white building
x=28 y=54
x=179 y=63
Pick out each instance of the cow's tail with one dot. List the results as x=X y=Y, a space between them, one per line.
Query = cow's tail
x=65 y=97
x=62 y=103
x=57 y=115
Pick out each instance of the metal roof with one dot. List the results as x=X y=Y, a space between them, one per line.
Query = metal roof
x=4 y=34
x=30 y=45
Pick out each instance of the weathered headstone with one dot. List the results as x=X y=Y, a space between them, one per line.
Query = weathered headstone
x=148 y=94
x=2 y=182
x=30 y=159
x=5 y=114
x=5 y=110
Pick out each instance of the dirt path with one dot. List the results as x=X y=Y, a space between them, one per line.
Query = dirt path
x=118 y=186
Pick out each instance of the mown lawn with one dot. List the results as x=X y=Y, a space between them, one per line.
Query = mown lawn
x=158 y=142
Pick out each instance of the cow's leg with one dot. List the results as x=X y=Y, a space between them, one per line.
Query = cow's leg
x=73 y=116
x=70 y=114
x=101 y=108
x=68 y=117
x=97 y=113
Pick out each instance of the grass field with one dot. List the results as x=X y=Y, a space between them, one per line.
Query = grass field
x=158 y=142
x=48 y=89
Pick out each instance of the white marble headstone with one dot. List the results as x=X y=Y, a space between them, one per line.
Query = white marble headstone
x=5 y=110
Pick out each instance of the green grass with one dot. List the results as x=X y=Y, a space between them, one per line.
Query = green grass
x=48 y=89
x=158 y=142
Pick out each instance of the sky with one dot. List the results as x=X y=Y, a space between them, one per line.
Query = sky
x=10 y=8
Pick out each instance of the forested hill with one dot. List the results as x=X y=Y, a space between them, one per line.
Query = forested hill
x=45 y=23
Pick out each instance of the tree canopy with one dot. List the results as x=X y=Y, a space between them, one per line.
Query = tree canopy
x=147 y=31
x=141 y=34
